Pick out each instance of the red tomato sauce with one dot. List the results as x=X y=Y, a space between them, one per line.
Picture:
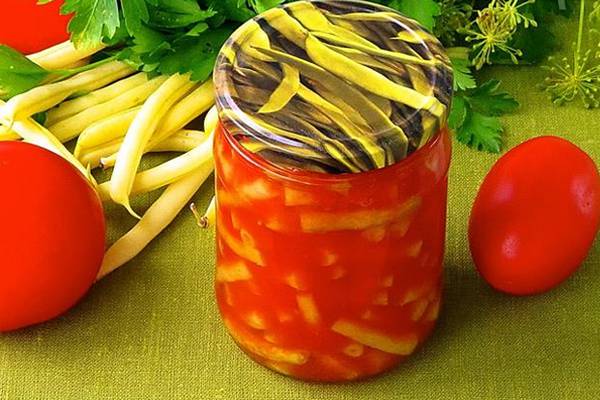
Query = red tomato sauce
x=330 y=277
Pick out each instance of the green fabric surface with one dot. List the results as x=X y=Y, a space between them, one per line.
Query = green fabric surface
x=152 y=330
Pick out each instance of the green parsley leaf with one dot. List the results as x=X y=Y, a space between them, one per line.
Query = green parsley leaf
x=424 y=11
x=171 y=14
x=196 y=54
x=458 y=112
x=263 y=5
x=481 y=132
x=474 y=116
x=233 y=10
x=135 y=12
x=487 y=100
x=17 y=73
x=93 y=20
x=463 y=77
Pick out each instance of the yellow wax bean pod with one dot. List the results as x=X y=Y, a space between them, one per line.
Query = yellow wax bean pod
x=282 y=132
x=289 y=27
x=428 y=122
x=71 y=127
x=369 y=79
x=262 y=348
x=338 y=111
x=209 y=219
x=339 y=151
x=415 y=36
x=139 y=134
x=321 y=221
x=185 y=111
x=183 y=141
x=433 y=311
x=314 y=20
x=35 y=133
x=255 y=320
x=63 y=55
x=418 y=309
x=167 y=172
x=233 y=272
x=382 y=103
x=91 y=157
x=376 y=16
x=393 y=55
x=354 y=97
x=295 y=197
x=353 y=26
x=237 y=246
x=79 y=104
x=287 y=89
x=308 y=308
x=211 y=119
x=364 y=58
x=317 y=73
x=228 y=52
x=154 y=221
x=44 y=97
x=336 y=366
x=254 y=36
x=419 y=80
x=401 y=345
x=105 y=130
x=7 y=134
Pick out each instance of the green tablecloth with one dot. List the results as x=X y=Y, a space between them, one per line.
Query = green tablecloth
x=152 y=331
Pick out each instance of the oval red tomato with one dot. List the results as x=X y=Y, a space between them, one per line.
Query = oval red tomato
x=52 y=235
x=536 y=216
x=30 y=28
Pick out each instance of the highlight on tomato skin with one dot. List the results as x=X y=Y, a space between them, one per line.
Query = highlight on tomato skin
x=52 y=237
x=536 y=216
x=29 y=27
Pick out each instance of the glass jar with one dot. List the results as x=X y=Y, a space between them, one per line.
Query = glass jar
x=322 y=274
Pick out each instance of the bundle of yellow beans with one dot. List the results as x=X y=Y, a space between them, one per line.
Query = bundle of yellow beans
x=115 y=115
x=375 y=86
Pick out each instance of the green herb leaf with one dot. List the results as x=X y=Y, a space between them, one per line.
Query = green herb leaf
x=197 y=54
x=17 y=73
x=481 y=132
x=463 y=77
x=458 y=112
x=135 y=12
x=93 y=20
x=474 y=116
x=170 y=14
x=489 y=101
x=263 y=5
x=424 y=11
x=233 y=10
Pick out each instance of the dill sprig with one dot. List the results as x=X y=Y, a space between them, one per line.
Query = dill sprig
x=578 y=78
x=494 y=28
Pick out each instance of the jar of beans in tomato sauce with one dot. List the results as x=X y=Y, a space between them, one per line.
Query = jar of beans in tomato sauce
x=332 y=153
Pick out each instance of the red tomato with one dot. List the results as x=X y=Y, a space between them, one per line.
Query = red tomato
x=536 y=216
x=29 y=27
x=52 y=235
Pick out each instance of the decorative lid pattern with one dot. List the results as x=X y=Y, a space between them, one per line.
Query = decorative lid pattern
x=333 y=86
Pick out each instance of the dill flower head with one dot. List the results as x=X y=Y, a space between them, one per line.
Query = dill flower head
x=568 y=81
x=494 y=28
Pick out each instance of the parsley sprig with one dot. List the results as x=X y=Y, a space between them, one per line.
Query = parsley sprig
x=163 y=36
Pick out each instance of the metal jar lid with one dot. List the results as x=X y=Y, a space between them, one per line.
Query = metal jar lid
x=333 y=86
